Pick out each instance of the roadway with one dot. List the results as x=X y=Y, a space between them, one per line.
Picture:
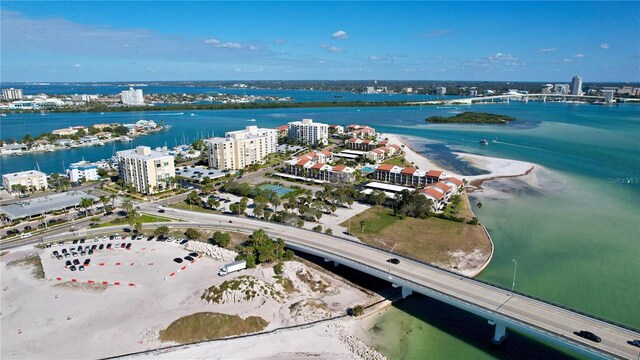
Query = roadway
x=528 y=315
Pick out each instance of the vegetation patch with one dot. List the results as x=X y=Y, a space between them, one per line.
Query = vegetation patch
x=3 y=253
x=470 y=117
x=306 y=277
x=431 y=239
x=210 y=325
x=68 y=285
x=31 y=261
x=241 y=289
x=398 y=161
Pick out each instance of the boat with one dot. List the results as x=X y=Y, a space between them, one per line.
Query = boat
x=3 y=114
x=192 y=114
x=484 y=142
x=99 y=143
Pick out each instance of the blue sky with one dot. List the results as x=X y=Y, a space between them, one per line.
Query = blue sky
x=180 y=40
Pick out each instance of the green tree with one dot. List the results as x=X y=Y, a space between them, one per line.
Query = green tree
x=244 y=202
x=104 y=201
x=221 y=239
x=213 y=203
x=161 y=230
x=127 y=204
x=328 y=231
x=258 y=210
x=192 y=234
x=87 y=204
x=193 y=198
x=275 y=201
x=267 y=214
x=362 y=225
x=235 y=208
x=317 y=228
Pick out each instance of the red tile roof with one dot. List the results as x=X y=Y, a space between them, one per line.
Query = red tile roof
x=383 y=142
x=442 y=186
x=326 y=152
x=385 y=167
x=396 y=146
x=433 y=192
x=339 y=168
x=434 y=173
x=317 y=166
x=367 y=141
x=283 y=127
x=352 y=140
x=456 y=181
x=409 y=170
x=311 y=155
x=302 y=162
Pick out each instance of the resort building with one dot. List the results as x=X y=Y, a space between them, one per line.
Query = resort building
x=283 y=131
x=12 y=94
x=147 y=170
x=307 y=168
x=435 y=196
x=336 y=129
x=30 y=180
x=132 y=97
x=83 y=171
x=407 y=176
x=360 y=131
x=239 y=149
x=308 y=132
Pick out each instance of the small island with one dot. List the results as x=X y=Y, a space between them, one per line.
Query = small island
x=470 y=117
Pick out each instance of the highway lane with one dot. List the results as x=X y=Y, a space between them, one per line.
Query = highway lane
x=535 y=316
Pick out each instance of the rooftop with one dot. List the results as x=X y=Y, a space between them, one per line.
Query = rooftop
x=44 y=204
x=142 y=152
x=387 y=187
x=23 y=174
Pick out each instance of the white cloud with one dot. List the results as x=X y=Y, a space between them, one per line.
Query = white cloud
x=566 y=60
x=501 y=56
x=548 y=49
x=333 y=49
x=280 y=41
x=579 y=56
x=231 y=45
x=77 y=66
x=212 y=41
x=604 y=46
x=340 y=34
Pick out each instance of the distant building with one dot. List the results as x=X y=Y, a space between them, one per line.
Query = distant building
x=132 y=97
x=562 y=89
x=308 y=132
x=408 y=90
x=336 y=129
x=628 y=90
x=31 y=179
x=546 y=88
x=371 y=90
x=576 y=85
x=12 y=94
x=147 y=170
x=608 y=96
x=239 y=149
x=83 y=170
x=441 y=90
x=70 y=131
x=282 y=131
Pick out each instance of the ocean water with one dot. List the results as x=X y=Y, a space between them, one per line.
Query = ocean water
x=575 y=236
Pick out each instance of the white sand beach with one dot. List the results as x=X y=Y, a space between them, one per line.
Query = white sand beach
x=496 y=167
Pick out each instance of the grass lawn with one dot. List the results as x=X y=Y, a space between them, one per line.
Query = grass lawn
x=210 y=325
x=399 y=161
x=144 y=218
x=184 y=206
x=429 y=239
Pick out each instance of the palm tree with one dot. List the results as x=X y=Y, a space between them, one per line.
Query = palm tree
x=127 y=205
x=362 y=225
x=275 y=201
x=113 y=198
x=104 y=200
x=87 y=204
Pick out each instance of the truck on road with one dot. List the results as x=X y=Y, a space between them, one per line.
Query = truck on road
x=234 y=266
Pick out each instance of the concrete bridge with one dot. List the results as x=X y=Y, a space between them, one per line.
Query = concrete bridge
x=502 y=308
x=508 y=97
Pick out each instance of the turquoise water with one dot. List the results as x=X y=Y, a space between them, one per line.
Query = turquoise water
x=576 y=236
x=280 y=190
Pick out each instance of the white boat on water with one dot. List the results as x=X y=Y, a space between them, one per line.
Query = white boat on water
x=99 y=143
x=3 y=114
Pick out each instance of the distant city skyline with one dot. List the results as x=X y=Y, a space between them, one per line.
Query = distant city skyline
x=467 y=41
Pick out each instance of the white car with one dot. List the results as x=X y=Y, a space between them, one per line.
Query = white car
x=25 y=235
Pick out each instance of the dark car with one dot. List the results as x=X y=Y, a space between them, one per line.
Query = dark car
x=101 y=246
x=72 y=268
x=76 y=261
x=90 y=252
x=86 y=262
x=81 y=241
x=394 y=261
x=161 y=211
x=81 y=268
x=27 y=228
x=188 y=258
x=55 y=253
x=68 y=263
x=634 y=342
x=94 y=246
x=128 y=246
x=178 y=260
x=123 y=245
x=588 y=335
x=193 y=254
x=108 y=246
x=75 y=241
x=150 y=238
x=182 y=242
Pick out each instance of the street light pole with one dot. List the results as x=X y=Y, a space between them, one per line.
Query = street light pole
x=391 y=253
x=515 y=268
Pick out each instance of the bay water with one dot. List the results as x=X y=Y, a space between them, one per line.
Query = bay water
x=574 y=233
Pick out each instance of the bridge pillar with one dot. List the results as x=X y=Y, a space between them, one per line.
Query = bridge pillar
x=500 y=332
x=406 y=292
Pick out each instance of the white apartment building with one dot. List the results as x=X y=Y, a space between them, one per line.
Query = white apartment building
x=561 y=89
x=576 y=85
x=441 y=90
x=239 y=149
x=132 y=97
x=308 y=132
x=83 y=170
x=12 y=94
x=147 y=170
x=31 y=179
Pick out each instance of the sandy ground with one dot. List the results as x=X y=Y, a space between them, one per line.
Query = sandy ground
x=57 y=319
x=497 y=167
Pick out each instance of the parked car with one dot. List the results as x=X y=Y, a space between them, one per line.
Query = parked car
x=188 y=258
x=101 y=246
x=394 y=261
x=86 y=262
x=72 y=268
x=76 y=261
x=178 y=260
x=634 y=342
x=68 y=263
x=162 y=211
x=55 y=253
x=81 y=268
x=108 y=246
x=588 y=335
x=194 y=254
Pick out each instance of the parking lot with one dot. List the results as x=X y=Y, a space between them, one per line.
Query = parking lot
x=117 y=260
